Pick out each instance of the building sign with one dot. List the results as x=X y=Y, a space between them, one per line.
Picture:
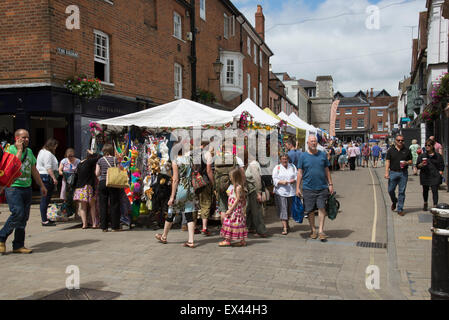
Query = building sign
x=67 y=52
x=104 y=109
x=405 y=120
x=380 y=136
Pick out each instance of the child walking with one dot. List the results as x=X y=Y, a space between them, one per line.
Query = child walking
x=234 y=224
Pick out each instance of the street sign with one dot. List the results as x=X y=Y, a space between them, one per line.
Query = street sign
x=405 y=120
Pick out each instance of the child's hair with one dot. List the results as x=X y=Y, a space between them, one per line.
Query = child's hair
x=237 y=179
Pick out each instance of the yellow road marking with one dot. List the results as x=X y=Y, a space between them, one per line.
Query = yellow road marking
x=425 y=238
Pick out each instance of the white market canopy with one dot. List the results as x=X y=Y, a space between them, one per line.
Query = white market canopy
x=257 y=113
x=297 y=121
x=181 y=113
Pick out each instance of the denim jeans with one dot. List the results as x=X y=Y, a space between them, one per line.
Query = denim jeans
x=398 y=179
x=19 y=202
x=359 y=161
x=45 y=201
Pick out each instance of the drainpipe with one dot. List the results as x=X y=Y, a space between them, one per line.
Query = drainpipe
x=193 y=58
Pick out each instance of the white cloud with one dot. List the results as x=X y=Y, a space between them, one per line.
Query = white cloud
x=356 y=57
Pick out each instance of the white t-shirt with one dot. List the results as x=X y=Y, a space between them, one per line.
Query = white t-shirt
x=46 y=160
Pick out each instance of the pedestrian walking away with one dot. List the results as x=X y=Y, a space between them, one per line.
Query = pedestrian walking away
x=376 y=154
x=19 y=195
x=414 y=150
x=293 y=154
x=352 y=155
x=431 y=165
x=234 y=223
x=254 y=215
x=182 y=199
x=365 y=155
x=284 y=179
x=397 y=162
x=48 y=168
x=316 y=181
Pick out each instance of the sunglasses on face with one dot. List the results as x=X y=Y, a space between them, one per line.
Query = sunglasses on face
x=429 y=145
x=400 y=140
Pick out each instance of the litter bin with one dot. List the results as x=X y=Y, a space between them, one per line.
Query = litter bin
x=440 y=253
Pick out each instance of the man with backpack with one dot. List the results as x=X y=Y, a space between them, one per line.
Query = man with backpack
x=221 y=177
x=19 y=195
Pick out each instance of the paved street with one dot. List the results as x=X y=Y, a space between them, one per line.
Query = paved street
x=294 y=267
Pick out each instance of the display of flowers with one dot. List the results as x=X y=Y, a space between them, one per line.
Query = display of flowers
x=440 y=90
x=84 y=87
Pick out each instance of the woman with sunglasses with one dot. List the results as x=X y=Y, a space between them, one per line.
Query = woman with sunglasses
x=431 y=164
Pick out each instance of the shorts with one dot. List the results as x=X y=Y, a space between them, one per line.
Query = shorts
x=314 y=200
x=343 y=159
x=366 y=158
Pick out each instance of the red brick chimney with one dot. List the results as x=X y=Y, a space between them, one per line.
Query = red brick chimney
x=260 y=22
x=372 y=93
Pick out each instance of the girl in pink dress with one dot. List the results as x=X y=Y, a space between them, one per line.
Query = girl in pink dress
x=234 y=224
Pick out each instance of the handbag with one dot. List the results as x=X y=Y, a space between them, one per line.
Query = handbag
x=199 y=181
x=116 y=177
x=57 y=212
x=10 y=167
x=265 y=192
x=297 y=210
x=332 y=206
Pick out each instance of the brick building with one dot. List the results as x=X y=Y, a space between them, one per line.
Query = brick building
x=146 y=53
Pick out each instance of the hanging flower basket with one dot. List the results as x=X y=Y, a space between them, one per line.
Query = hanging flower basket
x=84 y=87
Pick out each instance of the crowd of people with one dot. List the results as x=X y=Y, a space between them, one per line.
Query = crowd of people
x=236 y=188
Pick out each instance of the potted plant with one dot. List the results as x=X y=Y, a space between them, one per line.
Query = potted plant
x=84 y=87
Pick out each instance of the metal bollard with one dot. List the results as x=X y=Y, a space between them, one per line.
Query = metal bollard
x=440 y=253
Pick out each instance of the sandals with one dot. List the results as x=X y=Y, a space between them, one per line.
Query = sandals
x=285 y=232
x=323 y=236
x=224 y=244
x=313 y=235
x=161 y=239
x=240 y=244
x=189 y=245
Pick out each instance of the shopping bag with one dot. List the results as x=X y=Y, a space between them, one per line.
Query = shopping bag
x=297 y=210
x=10 y=167
x=116 y=177
x=57 y=213
x=199 y=181
x=332 y=206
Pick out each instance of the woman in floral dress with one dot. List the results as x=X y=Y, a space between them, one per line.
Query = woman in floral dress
x=182 y=198
x=234 y=224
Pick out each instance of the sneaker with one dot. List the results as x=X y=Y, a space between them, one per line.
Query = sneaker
x=2 y=248
x=401 y=213
x=49 y=224
x=23 y=250
x=205 y=232
x=393 y=206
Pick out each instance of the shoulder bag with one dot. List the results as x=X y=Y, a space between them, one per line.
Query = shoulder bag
x=116 y=177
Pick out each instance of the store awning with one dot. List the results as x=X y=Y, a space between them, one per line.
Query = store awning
x=258 y=114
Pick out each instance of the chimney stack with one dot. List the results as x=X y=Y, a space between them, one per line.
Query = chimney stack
x=260 y=22
x=372 y=93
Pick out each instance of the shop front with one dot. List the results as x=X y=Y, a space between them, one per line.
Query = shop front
x=54 y=112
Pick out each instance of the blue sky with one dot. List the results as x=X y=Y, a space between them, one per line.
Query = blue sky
x=329 y=37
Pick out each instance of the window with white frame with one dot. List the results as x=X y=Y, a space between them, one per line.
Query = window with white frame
x=255 y=54
x=101 y=56
x=229 y=26
x=260 y=58
x=337 y=124
x=248 y=45
x=203 y=9
x=255 y=95
x=230 y=71
x=360 y=111
x=178 y=81
x=248 y=77
x=360 y=123
x=348 y=123
x=260 y=94
x=380 y=126
x=380 y=113
x=348 y=111
x=177 y=21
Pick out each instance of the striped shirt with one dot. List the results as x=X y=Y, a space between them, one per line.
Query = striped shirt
x=104 y=166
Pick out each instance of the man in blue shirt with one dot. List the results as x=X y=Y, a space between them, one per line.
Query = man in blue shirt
x=293 y=154
x=314 y=174
x=376 y=154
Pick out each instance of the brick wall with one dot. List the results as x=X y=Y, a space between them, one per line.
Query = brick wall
x=24 y=42
x=354 y=117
